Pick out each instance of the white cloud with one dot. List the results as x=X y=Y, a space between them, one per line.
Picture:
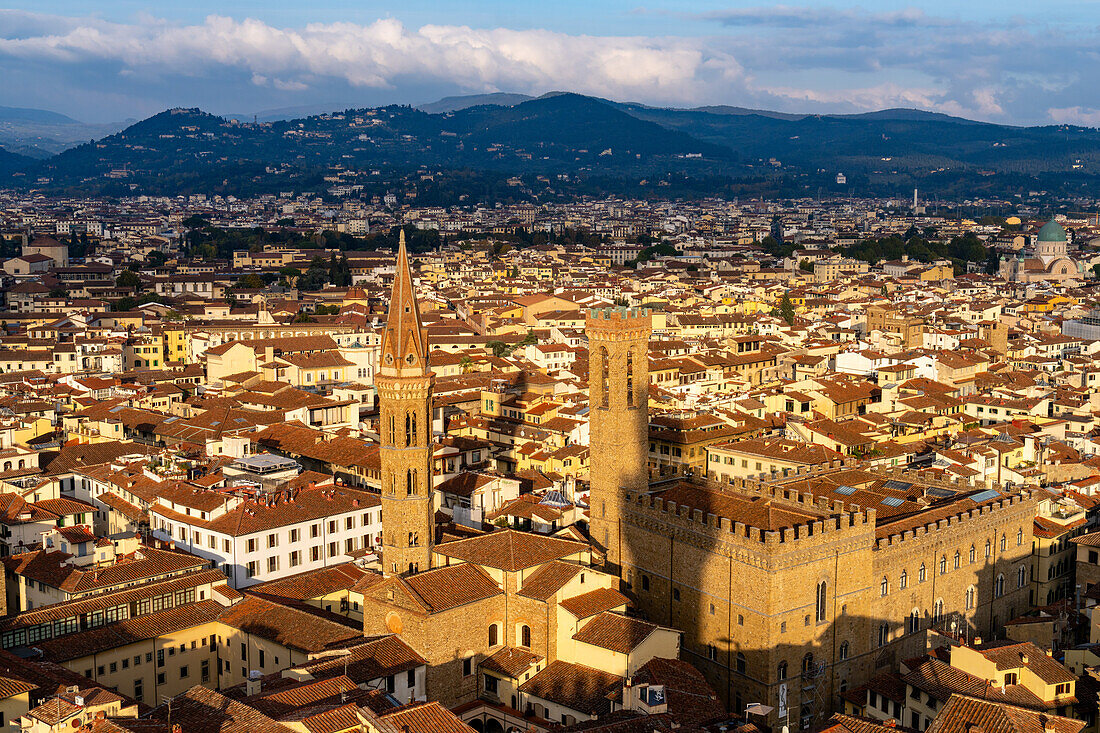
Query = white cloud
x=785 y=57
x=382 y=53
x=1084 y=116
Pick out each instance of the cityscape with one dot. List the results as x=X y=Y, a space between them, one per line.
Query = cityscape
x=575 y=401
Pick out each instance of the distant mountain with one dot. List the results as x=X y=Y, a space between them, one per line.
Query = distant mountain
x=454 y=104
x=39 y=133
x=564 y=144
x=41 y=116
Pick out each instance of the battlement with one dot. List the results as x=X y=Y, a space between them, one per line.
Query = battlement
x=621 y=314
x=823 y=520
x=983 y=512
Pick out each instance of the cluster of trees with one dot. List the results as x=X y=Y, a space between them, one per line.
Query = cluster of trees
x=959 y=250
x=336 y=271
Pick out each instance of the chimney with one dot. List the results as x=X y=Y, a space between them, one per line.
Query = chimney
x=1048 y=726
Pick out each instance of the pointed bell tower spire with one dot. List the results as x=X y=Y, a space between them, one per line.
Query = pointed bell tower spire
x=404 y=343
x=404 y=385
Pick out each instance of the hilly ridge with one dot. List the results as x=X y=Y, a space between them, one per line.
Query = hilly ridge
x=584 y=144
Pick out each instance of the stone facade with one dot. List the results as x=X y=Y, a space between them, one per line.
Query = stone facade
x=814 y=599
x=618 y=384
x=404 y=384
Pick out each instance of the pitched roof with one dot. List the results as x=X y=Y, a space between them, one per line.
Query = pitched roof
x=510 y=550
x=964 y=714
x=576 y=687
x=616 y=632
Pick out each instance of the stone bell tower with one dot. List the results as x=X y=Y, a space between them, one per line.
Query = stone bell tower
x=404 y=384
x=618 y=399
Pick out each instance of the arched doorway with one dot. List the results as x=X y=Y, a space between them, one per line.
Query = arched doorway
x=477 y=725
x=493 y=726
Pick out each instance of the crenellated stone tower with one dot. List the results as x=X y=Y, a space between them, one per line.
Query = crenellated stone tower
x=618 y=397
x=404 y=384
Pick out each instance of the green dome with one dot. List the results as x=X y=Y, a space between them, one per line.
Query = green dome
x=1052 y=231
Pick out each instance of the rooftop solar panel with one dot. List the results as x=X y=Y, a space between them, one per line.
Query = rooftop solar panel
x=897 y=485
x=986 y=495
x=893 y=501
x=846 y=490
x=941 y=493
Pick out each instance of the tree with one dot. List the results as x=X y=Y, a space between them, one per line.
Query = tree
x=128 y=279
x=499 y=348
x=156 y=258
x=806 y=266
x=466 y=363
x=251 y=281
x=786 y=309
x=316 y=276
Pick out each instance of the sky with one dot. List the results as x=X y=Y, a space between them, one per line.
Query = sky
x=1009 y=61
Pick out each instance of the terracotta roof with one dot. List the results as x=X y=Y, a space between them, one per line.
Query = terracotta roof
x=510 y=662
x=372 y=660
x=575 y=686
x=50 y=567
x=201 y=710
x=964 y=714
x=129 y=631
x=292 y=627
x=430 y=717
x=547 y=580
x=615 y=632
x=314 y=583
x=449 y=587
x=510 y=550
x=593 y=602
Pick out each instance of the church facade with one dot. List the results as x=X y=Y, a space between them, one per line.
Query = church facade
x=1049 y=260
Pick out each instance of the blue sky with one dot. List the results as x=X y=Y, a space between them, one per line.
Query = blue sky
x=1010 y=61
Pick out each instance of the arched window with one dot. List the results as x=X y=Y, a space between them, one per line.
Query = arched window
x=742 y=664
x=1019 y=537
x=883 y=633
x=958 y=559
x=807 y=663
x=914 y=621
x=1021 y=577
x=393 y=430
x=999 y=586
x=970 y=596
x=988 y=549
x=645 y=582
x=781 y=671
x=937 y=611
x=885 y=586
x=410 y=482
x=973 y=554
x=525 y=636
x=843 y=650
x=630 y=377
x=943 y=564
x=494 y=633
x=1004 y=542
x=605 y=376
x=822 y=595
x=410 y=428
x=922 y=574
x=903 y=581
